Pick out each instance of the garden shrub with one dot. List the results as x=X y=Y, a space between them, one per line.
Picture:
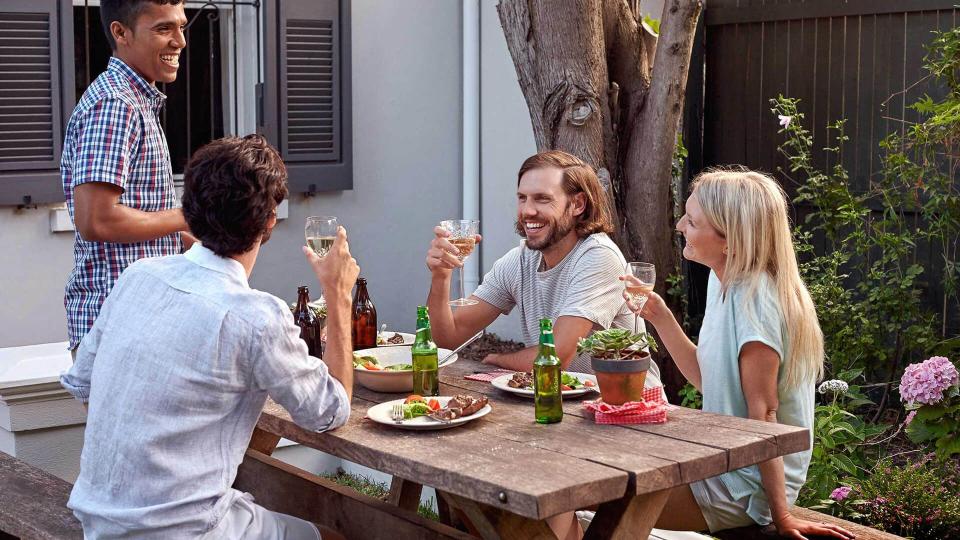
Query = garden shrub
x=920 y=500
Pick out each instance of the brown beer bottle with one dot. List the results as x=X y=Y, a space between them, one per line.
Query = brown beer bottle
x=364 y=328
x=306 y=319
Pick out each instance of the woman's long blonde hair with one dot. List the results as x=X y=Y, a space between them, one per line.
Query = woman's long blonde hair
x=750 y=210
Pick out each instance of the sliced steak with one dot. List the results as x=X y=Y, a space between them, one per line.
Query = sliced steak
x=460 y=406
x=521 y=379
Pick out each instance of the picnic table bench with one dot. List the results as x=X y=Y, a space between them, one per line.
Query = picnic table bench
x=33 y=503
x=503 y=475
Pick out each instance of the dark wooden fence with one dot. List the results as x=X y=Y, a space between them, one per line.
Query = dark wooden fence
x=854 y=59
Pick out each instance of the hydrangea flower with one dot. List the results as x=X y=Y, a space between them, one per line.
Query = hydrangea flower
x=840 y=493
x=926 y=382
x=833 y=386
x=909 y=418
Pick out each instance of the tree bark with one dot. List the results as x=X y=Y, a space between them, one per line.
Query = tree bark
x=595 y=88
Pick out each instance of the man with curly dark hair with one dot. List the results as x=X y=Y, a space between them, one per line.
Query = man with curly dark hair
x=178 y=365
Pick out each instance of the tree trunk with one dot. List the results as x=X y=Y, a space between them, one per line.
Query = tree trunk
x=585 y=70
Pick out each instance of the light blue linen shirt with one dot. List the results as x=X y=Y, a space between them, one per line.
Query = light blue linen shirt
x=176 y=369
x=729 y=324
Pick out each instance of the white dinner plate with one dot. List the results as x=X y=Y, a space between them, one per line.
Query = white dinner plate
x=380 y=413
x=407 y=338
x=501 y=383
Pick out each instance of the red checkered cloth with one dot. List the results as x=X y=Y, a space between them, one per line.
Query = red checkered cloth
x=652 y=410
x=489 y=375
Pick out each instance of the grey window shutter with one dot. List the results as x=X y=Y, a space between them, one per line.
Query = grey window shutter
x=306 y=106
x=36 y=97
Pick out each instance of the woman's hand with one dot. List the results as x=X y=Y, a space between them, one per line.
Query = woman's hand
x=654 y=309
x=793 y=527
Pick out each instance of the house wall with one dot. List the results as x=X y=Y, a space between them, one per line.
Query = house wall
x=406 y=125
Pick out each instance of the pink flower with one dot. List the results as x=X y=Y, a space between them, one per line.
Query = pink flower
x=909 y=418
x=925 y=382
x=784 y=120
x=840 y=493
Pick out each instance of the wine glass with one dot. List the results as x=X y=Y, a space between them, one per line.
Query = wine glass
x=321 y=231
x=645 y=275
x=463 y=235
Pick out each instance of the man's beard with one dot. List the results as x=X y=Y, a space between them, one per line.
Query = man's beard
x=559 y=229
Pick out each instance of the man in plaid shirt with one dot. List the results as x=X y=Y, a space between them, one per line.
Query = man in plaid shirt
x=115 y=168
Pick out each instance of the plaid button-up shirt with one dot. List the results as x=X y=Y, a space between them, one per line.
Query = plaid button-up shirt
x=114 y=136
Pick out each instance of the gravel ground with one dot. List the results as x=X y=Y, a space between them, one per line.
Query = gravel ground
x=488 y=344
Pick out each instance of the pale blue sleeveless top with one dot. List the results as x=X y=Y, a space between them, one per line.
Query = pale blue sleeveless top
x=728 y=324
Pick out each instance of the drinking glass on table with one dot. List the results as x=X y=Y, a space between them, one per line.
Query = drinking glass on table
x=321 y=231
x=463 y=235
x=644 y=276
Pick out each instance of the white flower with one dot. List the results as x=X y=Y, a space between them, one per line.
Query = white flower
x=784 y=120
x=833 y=386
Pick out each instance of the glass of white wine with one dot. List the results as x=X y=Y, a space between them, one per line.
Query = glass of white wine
x=321 y=231
x=463 y=235
x=645 y=276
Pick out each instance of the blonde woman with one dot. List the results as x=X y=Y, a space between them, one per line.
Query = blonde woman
x=759 y=353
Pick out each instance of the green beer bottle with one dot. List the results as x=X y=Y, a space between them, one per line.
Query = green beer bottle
x=548 y=403
x=426 y=380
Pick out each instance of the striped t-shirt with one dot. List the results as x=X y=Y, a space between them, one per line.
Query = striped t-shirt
x=584 y=284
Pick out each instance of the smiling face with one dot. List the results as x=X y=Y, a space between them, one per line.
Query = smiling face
x=152 y=46
x=545 y=213
x=704 y=244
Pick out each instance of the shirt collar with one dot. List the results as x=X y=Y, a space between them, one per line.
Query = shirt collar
x=149 y=92
x=202 y=256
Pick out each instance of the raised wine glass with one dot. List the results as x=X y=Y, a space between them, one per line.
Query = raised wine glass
x=320 y=232
x=463 y=235
x=645 y=276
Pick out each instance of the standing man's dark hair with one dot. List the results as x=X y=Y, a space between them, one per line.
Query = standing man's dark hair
x=231 y=188
x=124 y=12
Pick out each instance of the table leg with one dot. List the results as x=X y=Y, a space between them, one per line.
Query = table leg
x=491 y=523
x=405 y=494
x=631 y=517
x=263 y=441
x=444 y=511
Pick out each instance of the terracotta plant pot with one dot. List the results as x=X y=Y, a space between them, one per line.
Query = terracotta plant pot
x=621 y=380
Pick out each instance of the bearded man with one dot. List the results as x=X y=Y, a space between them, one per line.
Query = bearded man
x=566 y=268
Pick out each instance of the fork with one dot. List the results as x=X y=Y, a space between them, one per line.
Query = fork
x=396 y=413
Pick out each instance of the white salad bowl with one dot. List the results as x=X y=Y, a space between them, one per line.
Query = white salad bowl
x=391 y=381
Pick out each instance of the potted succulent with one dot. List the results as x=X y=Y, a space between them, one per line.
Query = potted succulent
x=620 y=360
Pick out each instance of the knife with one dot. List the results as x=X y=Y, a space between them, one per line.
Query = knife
x=450 y=355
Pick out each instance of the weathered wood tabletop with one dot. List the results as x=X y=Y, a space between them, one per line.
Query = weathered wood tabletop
x=505 y=473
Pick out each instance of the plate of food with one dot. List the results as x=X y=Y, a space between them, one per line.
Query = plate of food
x=388 y=369
x=572 y=384
x=419 y=413
x=392 y=339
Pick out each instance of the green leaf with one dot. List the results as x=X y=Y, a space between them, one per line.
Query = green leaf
x=847 y=464
x=930 y=412
x=947 y=446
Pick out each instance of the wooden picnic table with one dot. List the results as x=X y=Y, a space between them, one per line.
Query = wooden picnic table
x=504 y=474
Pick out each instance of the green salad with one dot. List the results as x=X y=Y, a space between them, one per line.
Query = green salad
x=399 y=367
x=416 y=409
x=370 y=363
x=569 y=380
x=363 y=361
